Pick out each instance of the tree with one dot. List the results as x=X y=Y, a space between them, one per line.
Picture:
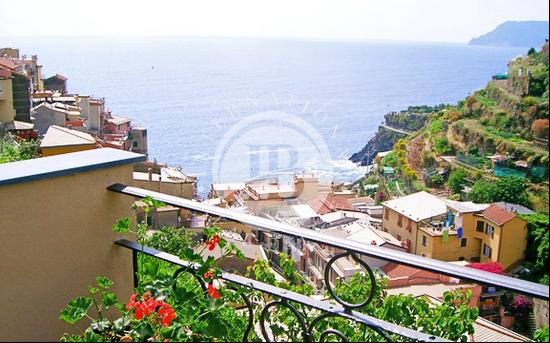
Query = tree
x=531 y=51
x=483 y=192
x=509 y=189
x=512 y=189
x=457 y=179
x=537 y=251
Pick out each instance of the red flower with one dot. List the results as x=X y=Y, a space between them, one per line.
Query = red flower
x=212 y=242
x=208 y=275
x=148 y=306
x=213 y=292
x=166 y=314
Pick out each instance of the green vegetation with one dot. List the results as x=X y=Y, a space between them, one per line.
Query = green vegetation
x=537 y=251
x=457 y=180
x=11 y=150
x=193 y=306
x=509 y=189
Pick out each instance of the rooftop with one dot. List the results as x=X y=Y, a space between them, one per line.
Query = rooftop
x=465 y=206
x=65 y=164
x=418 y=206
x=515 y=208
x=497 y=214
x=62 y=136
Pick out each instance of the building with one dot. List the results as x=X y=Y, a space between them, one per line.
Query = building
x=20 y=86
x=62 y=140
x=7 y=111
x=22 y=130
x=405 y=217
x=498 y=235
x=457 y=231
x=138 y=138
x=166 y=180
x=56 y=83
x=57 y=113
x=9 y=53
x=57 y=236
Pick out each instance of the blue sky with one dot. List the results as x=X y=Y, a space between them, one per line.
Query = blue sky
x=406 y=20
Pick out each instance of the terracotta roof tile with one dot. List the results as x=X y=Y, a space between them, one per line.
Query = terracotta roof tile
x=329 y=204
x=498 y=215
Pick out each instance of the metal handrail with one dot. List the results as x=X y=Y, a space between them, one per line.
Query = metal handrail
x=324 y=306
x=399 y=257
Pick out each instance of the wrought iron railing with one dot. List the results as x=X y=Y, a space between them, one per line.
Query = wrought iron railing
x=351 y=249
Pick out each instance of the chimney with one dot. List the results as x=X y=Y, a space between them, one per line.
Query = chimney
x=150 y=172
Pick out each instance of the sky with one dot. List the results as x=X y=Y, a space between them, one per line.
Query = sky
x=400 y=20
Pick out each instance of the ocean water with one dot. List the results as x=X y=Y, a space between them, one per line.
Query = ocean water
x=201 y=99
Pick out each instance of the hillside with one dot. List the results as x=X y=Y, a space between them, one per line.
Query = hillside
x=464 y=150
x=515 y=33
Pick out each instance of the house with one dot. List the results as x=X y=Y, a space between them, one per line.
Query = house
x=449 y=230
x=318 y=255
x=138 y=138
x=57 y=82
x=116 y=125
x=167 y=180
x=62 y=140
x=325 y=204
x=7 y=111
x=502 y=236
x=406 y=218
x=20 y=88
x=47 y=114
x=22 y=130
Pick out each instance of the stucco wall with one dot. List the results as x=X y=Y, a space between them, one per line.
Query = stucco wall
x=55 y=238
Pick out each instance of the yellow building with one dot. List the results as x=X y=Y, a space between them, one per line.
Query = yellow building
x=7 y=112
x=404 y=216
x=61 y=140
x=477 y=232
x=56 y=237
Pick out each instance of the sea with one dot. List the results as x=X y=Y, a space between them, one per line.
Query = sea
x=234 y=109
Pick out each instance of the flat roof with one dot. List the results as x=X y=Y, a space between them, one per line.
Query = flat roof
x=61 y=136
x=418 y=206
x=65 y=164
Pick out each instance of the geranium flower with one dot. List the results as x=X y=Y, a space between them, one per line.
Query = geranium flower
x=208 y=275
x=213 y=292
x=166 y=314
x=212 y=242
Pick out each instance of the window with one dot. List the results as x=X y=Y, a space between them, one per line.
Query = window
x=480 y=226
x=487 y=251
x=464 y=242
x=398 y=237
x=385 y=229
x=461 y=258
x=409 y=225
x=386 y=213
x=400 y=221
x=424 y=240
x=490 y=230
x=135 y=144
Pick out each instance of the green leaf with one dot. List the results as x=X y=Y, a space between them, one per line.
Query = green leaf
x=103 y=282
x=75 y=310
x=122 y=225
x=93 y=290
x=109 y=299
x=216 y=327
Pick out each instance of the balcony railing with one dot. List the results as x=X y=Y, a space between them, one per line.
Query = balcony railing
x=352 y=249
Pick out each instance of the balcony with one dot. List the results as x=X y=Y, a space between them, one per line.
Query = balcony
x=57 y=217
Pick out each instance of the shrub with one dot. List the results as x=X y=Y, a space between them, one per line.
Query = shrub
x=540 y=128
